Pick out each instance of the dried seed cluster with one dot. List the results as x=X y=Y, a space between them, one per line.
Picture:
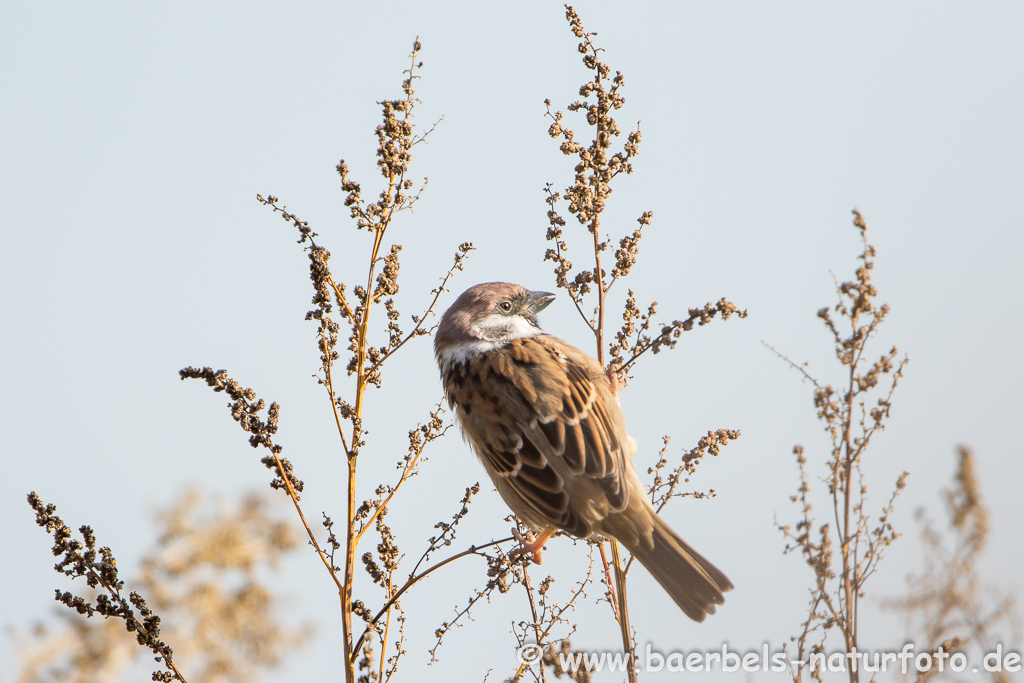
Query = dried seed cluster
x=245 y=410
x=98 y=567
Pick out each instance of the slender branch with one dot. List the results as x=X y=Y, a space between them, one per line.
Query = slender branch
x=536 y=620
x=465 y=247
x=802 y=369
x=472 y=550
x=410 y=464
x=624 y=629
x=387 y=629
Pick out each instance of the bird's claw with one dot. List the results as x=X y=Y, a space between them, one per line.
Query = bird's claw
x=528 y=543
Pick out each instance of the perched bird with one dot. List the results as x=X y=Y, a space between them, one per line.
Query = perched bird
x=544 y=419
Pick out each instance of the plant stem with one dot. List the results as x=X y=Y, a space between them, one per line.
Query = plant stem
x=620 y=587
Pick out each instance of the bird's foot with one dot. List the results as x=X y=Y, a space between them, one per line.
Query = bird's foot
x=534 y=545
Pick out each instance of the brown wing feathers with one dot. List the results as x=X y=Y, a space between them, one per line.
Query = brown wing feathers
x=596 y=445
x=559 y=413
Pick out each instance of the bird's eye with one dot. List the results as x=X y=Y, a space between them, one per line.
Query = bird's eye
x=505 y=306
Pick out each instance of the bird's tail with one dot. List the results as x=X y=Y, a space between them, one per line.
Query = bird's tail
x=695 y=584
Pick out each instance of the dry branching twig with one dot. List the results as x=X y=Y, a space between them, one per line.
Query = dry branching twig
x=82 y=559
x=204 y=575
x=851 y=416
x=549 y=614
x=366 y=657
x=948 y=604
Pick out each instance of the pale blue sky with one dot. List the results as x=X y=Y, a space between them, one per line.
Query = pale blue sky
x=135 y=137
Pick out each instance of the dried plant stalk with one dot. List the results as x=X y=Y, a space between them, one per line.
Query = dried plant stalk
x=851 y=415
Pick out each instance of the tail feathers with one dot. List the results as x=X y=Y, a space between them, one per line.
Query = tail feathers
x=695 y=584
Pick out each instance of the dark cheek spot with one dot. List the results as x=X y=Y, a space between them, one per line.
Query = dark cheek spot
x=496 y=332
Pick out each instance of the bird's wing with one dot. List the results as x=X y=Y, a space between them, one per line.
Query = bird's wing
x=543 y=411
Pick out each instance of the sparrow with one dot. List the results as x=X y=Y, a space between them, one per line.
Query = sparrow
x=544 y=419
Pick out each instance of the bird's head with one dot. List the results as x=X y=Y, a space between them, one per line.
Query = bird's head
x=487 y=316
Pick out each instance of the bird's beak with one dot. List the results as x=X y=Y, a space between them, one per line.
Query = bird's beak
x=537 y=302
